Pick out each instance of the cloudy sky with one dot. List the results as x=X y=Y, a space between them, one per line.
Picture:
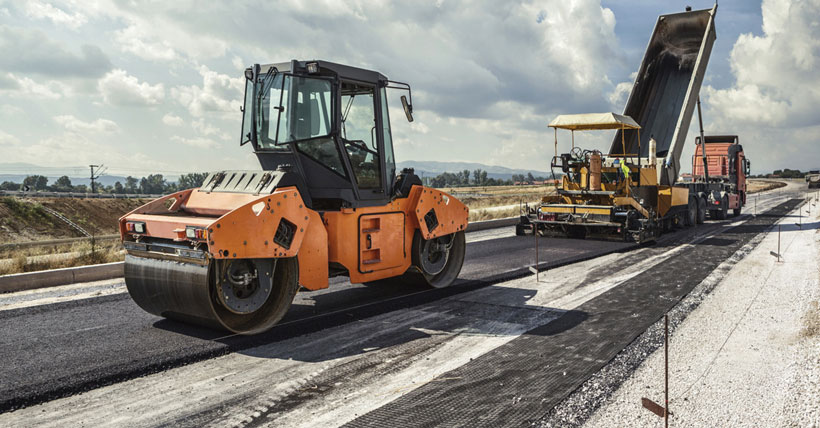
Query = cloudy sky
x=156 y=86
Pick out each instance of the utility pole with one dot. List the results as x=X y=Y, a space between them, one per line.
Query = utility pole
x=100 y=170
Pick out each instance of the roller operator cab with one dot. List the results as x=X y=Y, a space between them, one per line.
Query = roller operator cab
x=327 y=202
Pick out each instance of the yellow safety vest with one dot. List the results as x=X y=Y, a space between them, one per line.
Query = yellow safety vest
x=625 y=169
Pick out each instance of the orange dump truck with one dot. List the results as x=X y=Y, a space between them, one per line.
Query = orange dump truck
x=723 y=186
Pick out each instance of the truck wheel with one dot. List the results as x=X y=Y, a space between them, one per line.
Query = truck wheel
x=723 y=212
x=701 y=209
x=520 y=230
x=691 y=216
x=736 y=211
x=438 y=261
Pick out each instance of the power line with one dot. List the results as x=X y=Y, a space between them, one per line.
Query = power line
x=100 y=171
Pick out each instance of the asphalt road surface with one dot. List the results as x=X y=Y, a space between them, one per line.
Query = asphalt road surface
x=58 y=349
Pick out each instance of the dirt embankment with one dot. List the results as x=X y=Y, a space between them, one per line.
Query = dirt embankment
x=26 y=220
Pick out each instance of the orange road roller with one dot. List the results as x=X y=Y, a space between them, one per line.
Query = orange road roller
x=327 y=202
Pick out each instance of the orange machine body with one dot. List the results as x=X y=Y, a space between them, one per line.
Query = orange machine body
x=371 y=243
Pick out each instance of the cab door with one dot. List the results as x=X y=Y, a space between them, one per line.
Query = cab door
x=381 y=241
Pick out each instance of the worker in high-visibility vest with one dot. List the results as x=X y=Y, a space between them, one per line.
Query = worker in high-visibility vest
x=625 y=169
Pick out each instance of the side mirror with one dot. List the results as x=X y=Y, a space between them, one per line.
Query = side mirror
x=748 y=167
x=408 y=108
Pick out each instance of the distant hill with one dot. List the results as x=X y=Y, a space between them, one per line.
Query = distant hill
x=16 y=172
x=433 y=168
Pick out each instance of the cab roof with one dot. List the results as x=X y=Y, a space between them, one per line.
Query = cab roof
x=345 y=72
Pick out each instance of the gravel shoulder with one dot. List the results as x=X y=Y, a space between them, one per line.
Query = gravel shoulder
x=748 y=355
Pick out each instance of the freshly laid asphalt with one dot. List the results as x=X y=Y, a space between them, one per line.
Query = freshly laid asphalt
x=56 y=350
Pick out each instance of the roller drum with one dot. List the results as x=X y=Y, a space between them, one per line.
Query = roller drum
x=171 y=289
x=185 y=291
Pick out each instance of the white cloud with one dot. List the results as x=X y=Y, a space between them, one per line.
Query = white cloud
x=32 y=51
x=198 y=142
x=172 y=120
x=10 y=110
x=99 y=126
x=619 y=95
x=166 y=31
x=120 y=88
x=137 y=40
x=43 y=10
x=777 y=79
x=487 y=76
x=84 y=148
x=238 y=63
x=207 y=129
x=8 y=139
x=218 y=93
x=777 y=87
x=25 y=87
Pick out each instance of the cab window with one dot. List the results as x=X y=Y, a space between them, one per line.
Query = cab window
x=359 y=134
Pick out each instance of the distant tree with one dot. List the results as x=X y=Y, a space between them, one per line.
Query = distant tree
x=81 y=188
x=119 y=188
x=188 y=181
x=465 y=178
x=170 y=187
x=131 y=185
x=152 y=184
x=36 y=182
x=477 y=177
x=8 y=185
x=63 y=184
x=483 y=179
x=530 y=178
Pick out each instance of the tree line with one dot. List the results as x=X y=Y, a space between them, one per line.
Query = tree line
x=152 y=184
x=477 y=178
x=785 y=173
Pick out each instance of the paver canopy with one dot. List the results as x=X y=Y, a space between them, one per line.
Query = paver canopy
x=591 y=121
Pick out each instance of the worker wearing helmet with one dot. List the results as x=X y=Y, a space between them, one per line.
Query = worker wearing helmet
x=617 y=165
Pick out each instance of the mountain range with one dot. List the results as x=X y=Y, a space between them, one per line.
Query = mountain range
x=16 y=172
x=434 y=168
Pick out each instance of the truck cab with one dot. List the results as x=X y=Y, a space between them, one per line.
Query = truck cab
x=724 y=164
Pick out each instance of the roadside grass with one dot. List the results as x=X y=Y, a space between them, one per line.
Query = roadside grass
x=478 y=197
x=499 y=190
x=494 y=214
x=31 y=211
x=41 y=250
x=757 y=186
x=79 y=254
